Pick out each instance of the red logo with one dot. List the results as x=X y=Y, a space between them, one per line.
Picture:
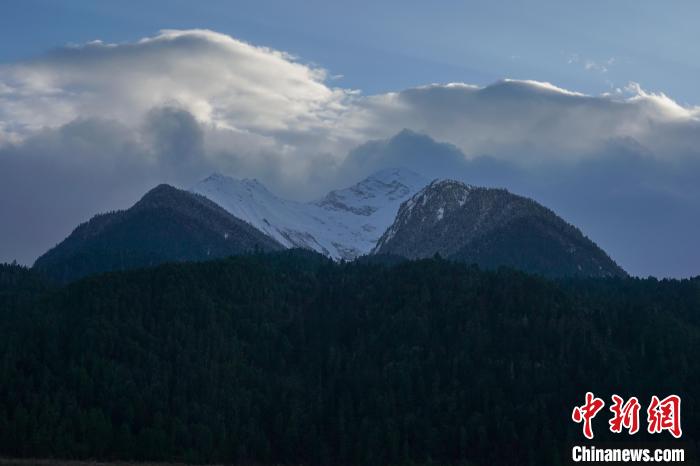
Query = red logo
x=662 y=415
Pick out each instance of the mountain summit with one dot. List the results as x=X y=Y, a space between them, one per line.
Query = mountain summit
x=166 y=225
x=492 y=227
x=344 y=224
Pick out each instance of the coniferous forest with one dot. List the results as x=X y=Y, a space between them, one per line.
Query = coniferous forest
x=291 y=358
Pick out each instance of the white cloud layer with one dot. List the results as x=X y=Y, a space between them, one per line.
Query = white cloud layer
x=220 y=80
x=90 y=127
x=514 y=119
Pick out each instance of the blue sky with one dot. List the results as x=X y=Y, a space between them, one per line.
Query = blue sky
x=589 y=46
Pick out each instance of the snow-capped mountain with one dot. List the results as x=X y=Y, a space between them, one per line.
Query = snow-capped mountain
x=344 y=224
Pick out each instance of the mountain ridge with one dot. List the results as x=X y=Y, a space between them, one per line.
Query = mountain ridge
x=386 y=214
x=492 y=227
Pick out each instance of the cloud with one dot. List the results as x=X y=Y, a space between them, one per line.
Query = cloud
x=592 y=65
x=218 y=79
x=250 y=100
x=90 y=127
x=528 y=121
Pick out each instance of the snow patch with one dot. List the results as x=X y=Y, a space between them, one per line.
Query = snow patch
x=440 y=213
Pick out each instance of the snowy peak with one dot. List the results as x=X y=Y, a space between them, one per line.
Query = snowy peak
x=250 y=201
x=374 y=192
x=246 y=187
x=431 y=204
x=449 y=194
x=343 y=224
x=391 y=176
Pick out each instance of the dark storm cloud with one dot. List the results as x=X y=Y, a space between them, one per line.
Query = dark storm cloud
x=58 y=178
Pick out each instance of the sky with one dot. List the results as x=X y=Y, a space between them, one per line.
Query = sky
x=592 y=46
x=591 y=108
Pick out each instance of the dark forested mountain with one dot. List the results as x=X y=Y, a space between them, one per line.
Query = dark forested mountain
x=492 y=228
x=167 y=224
x=290 y=358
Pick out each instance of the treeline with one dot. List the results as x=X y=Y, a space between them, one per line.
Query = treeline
x=290 y=358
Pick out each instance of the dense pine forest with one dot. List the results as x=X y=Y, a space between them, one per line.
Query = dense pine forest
x=291 y=358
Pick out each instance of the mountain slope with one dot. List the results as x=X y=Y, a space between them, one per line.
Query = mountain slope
x=167 y=224
x=492 y=227
x=344 y=224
